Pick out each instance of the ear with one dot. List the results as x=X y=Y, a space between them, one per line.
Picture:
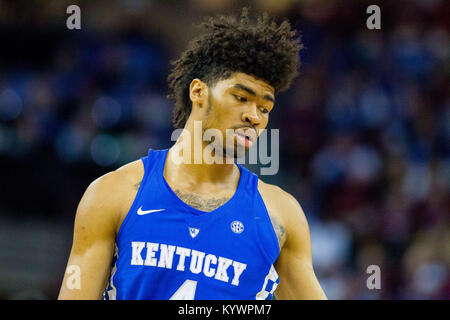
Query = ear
x=198 y=92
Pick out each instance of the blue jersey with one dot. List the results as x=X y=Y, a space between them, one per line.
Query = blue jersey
x=166 y=249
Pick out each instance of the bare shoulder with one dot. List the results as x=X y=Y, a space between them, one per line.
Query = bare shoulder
x=284 y=210
x=111 y=195
x=284 y=203
x=115 y=184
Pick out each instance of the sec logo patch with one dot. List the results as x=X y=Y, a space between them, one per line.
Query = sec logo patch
x=237 y=227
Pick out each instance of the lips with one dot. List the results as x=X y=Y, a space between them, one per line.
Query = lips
x=247 y=134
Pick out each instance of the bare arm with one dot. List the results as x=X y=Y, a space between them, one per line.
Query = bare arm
x=98 y=217
x=93 y=245
x=294 y=264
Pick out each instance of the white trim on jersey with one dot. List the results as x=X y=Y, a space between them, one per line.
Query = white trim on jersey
x=112 y=292
x=273 y=277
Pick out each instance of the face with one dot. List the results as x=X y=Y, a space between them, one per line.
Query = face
x=241 y=103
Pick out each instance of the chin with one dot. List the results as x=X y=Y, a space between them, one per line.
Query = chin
x=236 y=152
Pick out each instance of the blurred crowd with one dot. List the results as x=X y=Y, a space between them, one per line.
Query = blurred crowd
x=364 y=129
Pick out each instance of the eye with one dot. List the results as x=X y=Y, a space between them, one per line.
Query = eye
x=239 y=98
x=264 y=110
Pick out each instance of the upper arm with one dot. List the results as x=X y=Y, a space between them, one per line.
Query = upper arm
x=294 y=264
x=93 y=241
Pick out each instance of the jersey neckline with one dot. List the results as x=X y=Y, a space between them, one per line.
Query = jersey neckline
x=191 y=209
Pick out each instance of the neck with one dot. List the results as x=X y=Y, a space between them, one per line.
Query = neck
x=191 y=160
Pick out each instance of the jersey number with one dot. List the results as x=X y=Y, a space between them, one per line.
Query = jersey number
x=186 y=291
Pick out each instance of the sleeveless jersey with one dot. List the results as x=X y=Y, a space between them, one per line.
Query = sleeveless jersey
x=166 y=249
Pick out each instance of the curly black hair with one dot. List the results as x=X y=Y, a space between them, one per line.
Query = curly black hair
x=261 y=48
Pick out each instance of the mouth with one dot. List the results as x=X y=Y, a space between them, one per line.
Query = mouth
x=246 y=136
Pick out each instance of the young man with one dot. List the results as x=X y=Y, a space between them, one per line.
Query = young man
x=158 y=228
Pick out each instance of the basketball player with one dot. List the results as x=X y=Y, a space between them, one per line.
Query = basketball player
x=161 y=229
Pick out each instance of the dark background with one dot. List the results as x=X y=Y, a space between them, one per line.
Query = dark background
x=364 y=131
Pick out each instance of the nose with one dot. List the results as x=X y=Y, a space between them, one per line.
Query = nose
x=251 y=116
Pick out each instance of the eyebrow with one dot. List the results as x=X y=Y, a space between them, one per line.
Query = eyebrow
x=250 y=91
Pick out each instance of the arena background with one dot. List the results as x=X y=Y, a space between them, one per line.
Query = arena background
x=364 y=131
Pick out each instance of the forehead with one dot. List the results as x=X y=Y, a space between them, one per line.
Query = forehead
x=247 y=80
